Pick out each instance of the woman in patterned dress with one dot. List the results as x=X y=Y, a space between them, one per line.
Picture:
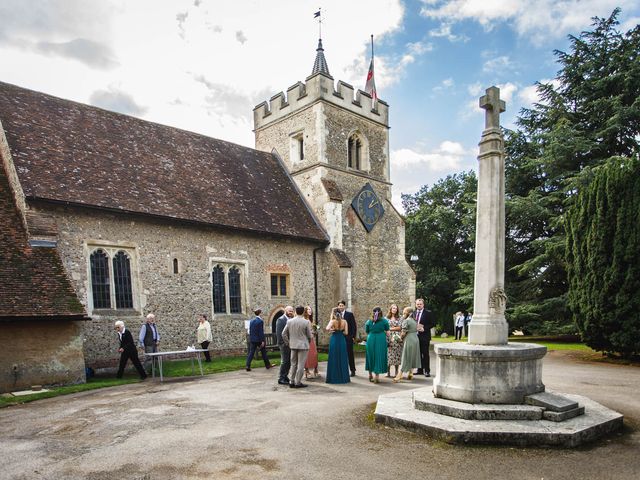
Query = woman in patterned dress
x=394 y=349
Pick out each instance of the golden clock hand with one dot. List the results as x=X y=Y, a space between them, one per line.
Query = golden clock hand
x=373 y=203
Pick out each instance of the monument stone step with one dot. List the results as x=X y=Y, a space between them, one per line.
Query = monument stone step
x=562 y=416
x=552 y=402
x=475 y=411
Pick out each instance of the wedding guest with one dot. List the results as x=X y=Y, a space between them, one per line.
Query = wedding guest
x=127 y=351
x=338 y=362
x=351 y=336
x=204 y=335
x=425 y=322
x=376 y=359
x=394 y=350
x=459 y=323
x=297 y=334
x=312 y=357
x=410 y=347
x=257 y=339
x=149 y=338
x=285 y=352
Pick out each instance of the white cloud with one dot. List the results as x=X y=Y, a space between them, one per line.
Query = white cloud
x=540 y=21
x=529 y=95
x=475 y=89
x=444 y=31
x=418 y=48
x=156 y=52
x=500 y=63
x=446 y=84
x=447 y=156
x=507 y=90
x=414 y=168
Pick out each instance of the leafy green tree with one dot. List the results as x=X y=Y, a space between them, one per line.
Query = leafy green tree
x=588 y=114
x=440 y=227
x=603 y=257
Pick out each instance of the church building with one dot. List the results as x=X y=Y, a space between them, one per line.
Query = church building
x=150 y=218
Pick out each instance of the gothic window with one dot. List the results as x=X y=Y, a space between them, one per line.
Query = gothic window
x=235 y=297
x=111 y=278
x=122 y=280
x=355 y=152
x=175 y=266
x=279 y=284
x=219 y=300
x=100 y=285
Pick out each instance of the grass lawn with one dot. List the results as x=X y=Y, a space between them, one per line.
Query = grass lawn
x=92 y=384
x=551 y=343
x=171 y=368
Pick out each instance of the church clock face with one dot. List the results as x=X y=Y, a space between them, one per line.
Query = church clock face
x=368 y=207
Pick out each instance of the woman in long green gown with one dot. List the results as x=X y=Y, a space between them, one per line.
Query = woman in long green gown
x=411 y=347
x=376 y=360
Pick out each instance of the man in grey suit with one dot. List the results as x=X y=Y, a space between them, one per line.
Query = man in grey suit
x=297 y=335
x=285 y=352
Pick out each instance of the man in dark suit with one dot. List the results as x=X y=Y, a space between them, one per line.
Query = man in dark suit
x=425 y=321
x=351 y=337
x=256 y=339
x=285 y=351
x=128 y=351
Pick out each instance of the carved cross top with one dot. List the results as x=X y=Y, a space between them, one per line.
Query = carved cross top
x=493 y=107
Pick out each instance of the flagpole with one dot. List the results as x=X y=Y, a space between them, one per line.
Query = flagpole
x=371 y=46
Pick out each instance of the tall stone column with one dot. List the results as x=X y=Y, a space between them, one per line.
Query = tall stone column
x=488 y=369
x=489 y=326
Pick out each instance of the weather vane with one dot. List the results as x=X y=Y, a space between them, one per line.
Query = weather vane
x=318 y=15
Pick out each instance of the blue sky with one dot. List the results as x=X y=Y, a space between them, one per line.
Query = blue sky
x=202 y=65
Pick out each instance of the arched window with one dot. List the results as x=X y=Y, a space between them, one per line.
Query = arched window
x=235 y=297
x=175 y=266
x=100 y=285
x=354 y=146
x=122 y=280
x=217 y=277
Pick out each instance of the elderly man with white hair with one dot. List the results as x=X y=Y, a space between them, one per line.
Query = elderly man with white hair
x=127 y=351
x=149 y=338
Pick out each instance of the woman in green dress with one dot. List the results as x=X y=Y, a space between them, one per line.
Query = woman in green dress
x=377 y=330
x=411 y=347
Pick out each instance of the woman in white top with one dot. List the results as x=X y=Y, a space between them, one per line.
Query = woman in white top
x=459 y=319
x=204 y=335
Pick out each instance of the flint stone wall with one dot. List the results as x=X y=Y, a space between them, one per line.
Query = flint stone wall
x=177 y=299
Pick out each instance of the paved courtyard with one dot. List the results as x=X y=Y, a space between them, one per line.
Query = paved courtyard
x=243 y=425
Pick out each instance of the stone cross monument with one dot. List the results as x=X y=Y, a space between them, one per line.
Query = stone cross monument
x=488 y=369
x=489 y=326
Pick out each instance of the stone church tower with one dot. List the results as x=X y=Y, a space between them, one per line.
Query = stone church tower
x=336 y=147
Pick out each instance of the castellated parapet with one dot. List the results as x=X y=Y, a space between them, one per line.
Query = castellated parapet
x=320 y=87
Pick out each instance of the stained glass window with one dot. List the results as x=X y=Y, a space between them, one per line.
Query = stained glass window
x=122 y=280
x=235 y=296
x=219 y=303
x=100 y=285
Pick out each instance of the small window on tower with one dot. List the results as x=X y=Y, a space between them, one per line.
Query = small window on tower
x=175 y=266
x=297 y=147
x=355 y=152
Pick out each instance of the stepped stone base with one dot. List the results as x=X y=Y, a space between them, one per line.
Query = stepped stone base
x=495 y=424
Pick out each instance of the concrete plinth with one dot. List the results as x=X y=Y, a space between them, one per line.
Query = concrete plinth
x=398 y=410
x=494 y=374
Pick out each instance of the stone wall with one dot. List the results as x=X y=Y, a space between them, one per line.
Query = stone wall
x=40 y=353
x=177 y=299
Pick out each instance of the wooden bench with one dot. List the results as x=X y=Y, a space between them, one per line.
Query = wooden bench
x=270 y=342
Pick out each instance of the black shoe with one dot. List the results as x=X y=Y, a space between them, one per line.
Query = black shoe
x=353 y=374
x=248 y=369
x=427 y=374
x=283 y=382
x=300 y=385
x=268 y=366
x=291 y=385
x=420 y=371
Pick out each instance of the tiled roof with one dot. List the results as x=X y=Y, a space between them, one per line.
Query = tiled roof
x=33 y=282
x=320 y=63
x=70 y=152
x=342 y=258
x=332 y=190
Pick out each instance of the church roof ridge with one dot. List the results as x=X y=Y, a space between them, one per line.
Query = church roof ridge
x=70 y=152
